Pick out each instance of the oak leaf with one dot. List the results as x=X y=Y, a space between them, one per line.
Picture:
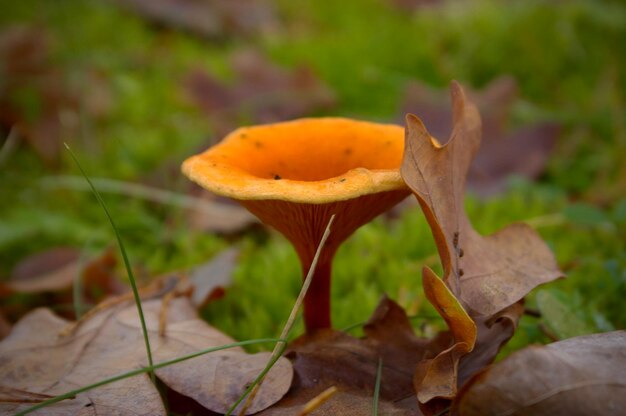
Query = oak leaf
x=504 y=151
x=485 y=278
x=489 y=273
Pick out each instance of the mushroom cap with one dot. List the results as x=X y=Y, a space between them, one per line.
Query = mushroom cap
x=309 y=161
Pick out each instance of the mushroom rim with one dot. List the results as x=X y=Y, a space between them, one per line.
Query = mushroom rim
x=353 y=184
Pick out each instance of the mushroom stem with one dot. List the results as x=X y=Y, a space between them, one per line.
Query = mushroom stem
x=317 y=300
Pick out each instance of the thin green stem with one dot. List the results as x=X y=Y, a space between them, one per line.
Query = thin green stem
x=148 y=369
x=129 y=270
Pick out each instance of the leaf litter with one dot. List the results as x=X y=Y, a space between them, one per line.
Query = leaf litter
x=35 y=359
x=480 y=297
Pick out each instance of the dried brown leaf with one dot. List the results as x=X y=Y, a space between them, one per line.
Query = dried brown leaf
x=578 y=376
x=503 y=152
x=487 y=276
x=35 y=359
x=219 y=215
x=330 y=358
x=210 y=279
x=490 y=273
x=437 y=377
x=56 y=269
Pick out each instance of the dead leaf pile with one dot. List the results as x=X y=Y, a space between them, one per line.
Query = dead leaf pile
x=37 y=362
x=480 y=297
x=260 y=93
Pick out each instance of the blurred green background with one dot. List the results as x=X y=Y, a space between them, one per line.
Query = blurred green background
x=134 y=88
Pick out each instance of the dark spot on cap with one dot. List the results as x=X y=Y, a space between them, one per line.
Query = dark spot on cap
x=277 y=177
x=342 y=180
x=258 y=144
x=243 y=136
x=347 y=151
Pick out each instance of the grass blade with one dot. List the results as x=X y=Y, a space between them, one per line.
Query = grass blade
x=131 y=276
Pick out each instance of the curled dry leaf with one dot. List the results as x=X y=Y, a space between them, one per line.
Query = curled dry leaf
x=503 y=152
x=58 y=268
x=578 y=376
x=50 y=270
x=35 y=359
x=49 y=276
x=433 y=376
x=489 y=273
x=486 y=276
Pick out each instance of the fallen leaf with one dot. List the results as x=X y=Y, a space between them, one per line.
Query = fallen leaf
x=490 y=273
x=208 y=18
x=218 y=215
x=522 y=152
x=50 y=270
x=578 y=376
x=210 y=279
x=437 y=377
x=37 y=360
x=486 y=276
x=261 y=93
x=492 y=333
x=50 y=275
x=331 y=358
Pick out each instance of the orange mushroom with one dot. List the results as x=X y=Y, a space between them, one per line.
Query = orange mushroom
x=295 y=175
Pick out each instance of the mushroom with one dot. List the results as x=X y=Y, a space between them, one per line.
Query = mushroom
x=295 y=175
